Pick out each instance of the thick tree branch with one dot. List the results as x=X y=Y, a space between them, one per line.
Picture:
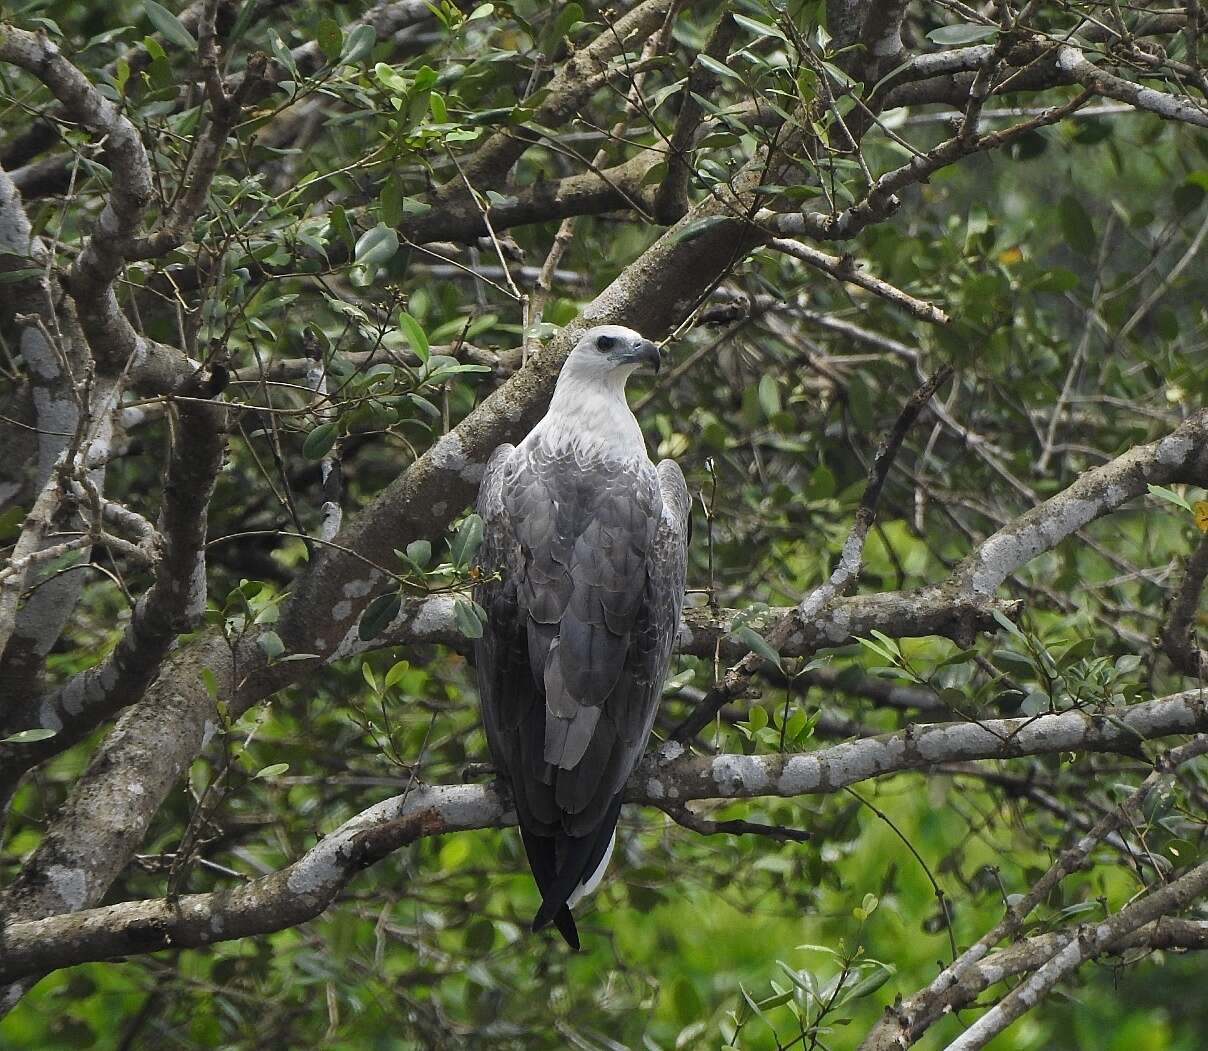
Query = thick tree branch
x=91 y=277
x=671 y=198
x=1089 y=941
x=1074 y=64
x=666 y=779
x=1182 y=456
x=1178 y=633
x=172 y=605
x=570 y=88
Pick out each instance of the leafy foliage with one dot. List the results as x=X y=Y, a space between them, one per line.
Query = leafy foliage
x=1076 y=333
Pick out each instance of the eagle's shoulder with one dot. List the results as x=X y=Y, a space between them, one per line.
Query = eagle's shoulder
x=490 y=488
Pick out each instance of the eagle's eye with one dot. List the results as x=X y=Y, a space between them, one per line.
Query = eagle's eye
x=605 y=342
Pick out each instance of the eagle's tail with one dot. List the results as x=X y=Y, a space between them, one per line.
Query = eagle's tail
x=563 y=865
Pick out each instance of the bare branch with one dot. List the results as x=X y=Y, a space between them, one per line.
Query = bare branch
x=173 y=604
x=671 y=197
x=1089 y=941
x=94 y=270
x=666 y=780
x=846 y=269
x=1074 y=64
x=1178 y=633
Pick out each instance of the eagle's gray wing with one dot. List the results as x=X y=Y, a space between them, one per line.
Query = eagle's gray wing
x=580 y=627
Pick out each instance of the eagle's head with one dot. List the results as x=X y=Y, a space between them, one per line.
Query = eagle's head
x=606 y=349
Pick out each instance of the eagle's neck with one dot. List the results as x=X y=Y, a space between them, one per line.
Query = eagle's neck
x=589 y=415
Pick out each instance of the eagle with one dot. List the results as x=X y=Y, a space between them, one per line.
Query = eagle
x=581 y=576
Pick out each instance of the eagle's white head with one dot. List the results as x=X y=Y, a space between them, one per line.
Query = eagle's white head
x=610 y=353
x=588 y=411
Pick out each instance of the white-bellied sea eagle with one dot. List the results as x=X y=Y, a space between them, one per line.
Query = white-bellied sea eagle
x=582 y=561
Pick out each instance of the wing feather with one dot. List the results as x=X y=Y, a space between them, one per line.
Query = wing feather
x=582 y=579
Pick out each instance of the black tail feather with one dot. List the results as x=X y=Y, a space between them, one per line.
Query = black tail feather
x=560 y=863
x=563 y=921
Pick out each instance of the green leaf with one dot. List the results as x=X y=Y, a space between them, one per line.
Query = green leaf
x=769 y=395
x=795 y=724
x=271 y=645
x=1015 y=663
x=319 y=442
x=40 y=733
x=169 y=26
x=330 y=38
x=466 y=617
x=776 y=1000
x=378 y=615
x=480 y=936
x=396 y=672
x=758 y=28
x=369 y=677
x=720 y=68
x=419 y=552
x=1007 y=624
x=963 y=33
x=953 y=698
x=1130 y=662
x=376 y=246
x=1081 y=649
x=391 y=79
x=391 y=201
x=756 y=643
x=1076 y=225
x=340 y=227
x=891 y=645
x=358 y=44
x=1057 y=280
x=568 y=18
x=876 y=648
x=270 y=771
x=469 y=537
x=869 y=984
x=821 y=484
x=1170 y=496
x=415 y=334
x=210 y=681
x=247 y=12
x=414 y=207
x=694 y=229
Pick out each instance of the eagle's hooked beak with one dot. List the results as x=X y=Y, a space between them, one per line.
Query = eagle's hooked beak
x=647 y=353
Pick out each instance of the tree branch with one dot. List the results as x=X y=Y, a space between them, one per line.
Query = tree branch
x=666 y=779
x=172 y=605
x=845 y=268
x=1178 y=633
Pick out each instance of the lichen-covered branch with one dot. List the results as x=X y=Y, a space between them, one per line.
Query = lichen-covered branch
x=906 y=1020
x=665 y=779
x=1089 y=941
x=1182 y=456
x=91 y=277
x=172 y=605
x=846 y=269
x=1178 y=633
x=1074 y=64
